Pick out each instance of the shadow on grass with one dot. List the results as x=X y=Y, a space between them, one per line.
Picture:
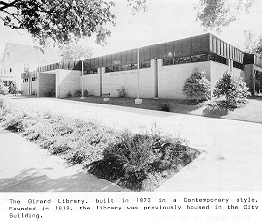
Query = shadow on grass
x=214 y=111
x=161 y=105
x=256 y=97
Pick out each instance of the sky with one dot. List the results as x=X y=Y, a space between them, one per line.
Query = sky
x=163 y=21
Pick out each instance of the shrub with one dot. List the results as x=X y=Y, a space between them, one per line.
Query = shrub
x=78 y=93
x=68 y=94
x=86 y=93
x=49 y=93
x=134 y=154
x=197 y=86
x=232 y=90
x=34 y=92
x=135 y=161
x=121 y=92
x=12 y=88
x=14 y=122
x=164 y=107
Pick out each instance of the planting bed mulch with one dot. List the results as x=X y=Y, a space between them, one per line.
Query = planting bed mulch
x=139 y=162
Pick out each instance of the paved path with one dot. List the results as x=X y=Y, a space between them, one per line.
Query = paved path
x=24 y=167
x=232 y=149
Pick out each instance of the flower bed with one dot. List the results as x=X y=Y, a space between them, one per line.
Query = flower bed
x=140 y=162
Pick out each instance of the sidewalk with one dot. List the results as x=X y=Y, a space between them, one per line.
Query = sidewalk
x=232 y=149
x=24 y=167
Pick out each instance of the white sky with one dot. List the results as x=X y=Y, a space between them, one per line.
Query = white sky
x=165 y=20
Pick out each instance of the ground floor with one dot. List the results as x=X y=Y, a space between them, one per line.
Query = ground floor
x=157 y=80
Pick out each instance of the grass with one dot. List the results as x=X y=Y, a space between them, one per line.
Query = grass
x=140 y=162
x=249 y=112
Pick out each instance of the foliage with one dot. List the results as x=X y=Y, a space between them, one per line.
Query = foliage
x=164 y=107
x=137 y=5
x=49 y=93
x=34 y=92
x=78 y=93
x=135 y=161
x=197 y=86
x=215 y=14
x=62 y=21
x=121 y=92
x=232 y=89
x=72 y=52
x=86 y=93
x=68 y=94
x=253 y=43
x=12 y=88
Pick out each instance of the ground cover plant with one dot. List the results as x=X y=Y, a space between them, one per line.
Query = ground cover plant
x=140 y=162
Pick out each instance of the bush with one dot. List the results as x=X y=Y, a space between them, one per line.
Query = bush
x=135 y=161
x=49 y=93
x=86 y=93
x=34 y=93
x=68 y=94
x=231 y=90
x=133 y=154
x=197 y=86
x=121 y=92
x=14 y=122
x=164 y=107
x=78 y=93
x=12 y=89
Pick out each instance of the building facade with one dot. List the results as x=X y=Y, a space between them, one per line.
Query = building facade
x=163 y=69
x=20 y=58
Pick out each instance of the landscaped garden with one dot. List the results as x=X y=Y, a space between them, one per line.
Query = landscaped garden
x=238 y=105
x=139 y=162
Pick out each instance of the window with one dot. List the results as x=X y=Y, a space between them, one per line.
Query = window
x=185 y=59
x=168 y=61
x=238 y=65
x=26 y=67
x=10 y=70
x=33 y=79
x=145 y=64
x=217 y=58
x=92 y=71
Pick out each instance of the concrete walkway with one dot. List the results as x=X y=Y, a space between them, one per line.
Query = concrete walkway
x=232 y=149
x=24 y=167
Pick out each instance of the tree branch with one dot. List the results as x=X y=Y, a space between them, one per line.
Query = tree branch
x=6 y=5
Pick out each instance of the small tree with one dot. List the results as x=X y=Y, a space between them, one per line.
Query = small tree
x=197 y=86
x=233 y=90
x=12 y=88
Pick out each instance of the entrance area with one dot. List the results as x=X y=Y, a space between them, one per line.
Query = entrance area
x=46 y=84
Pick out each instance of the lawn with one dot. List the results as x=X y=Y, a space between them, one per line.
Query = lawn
x=139 y=162
x=252 y=111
